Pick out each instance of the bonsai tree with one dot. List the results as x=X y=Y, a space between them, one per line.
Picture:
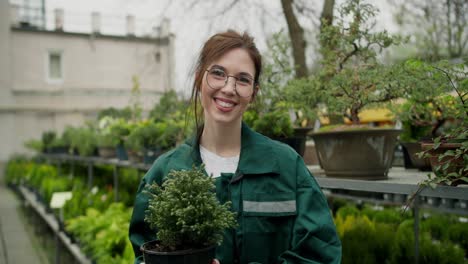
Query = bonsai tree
x=449 y=152
x=351 y=78
x=185 y=212
x=429 y=105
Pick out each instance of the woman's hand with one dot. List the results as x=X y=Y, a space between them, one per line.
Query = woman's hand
x=215 y=261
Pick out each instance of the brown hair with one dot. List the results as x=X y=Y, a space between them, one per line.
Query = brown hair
x=215 y=47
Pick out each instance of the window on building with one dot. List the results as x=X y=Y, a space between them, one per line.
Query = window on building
x=55 y=66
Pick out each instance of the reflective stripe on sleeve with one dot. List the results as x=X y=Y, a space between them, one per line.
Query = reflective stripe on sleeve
x=270 y=207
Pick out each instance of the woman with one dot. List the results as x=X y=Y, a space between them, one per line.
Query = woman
x=283 y=216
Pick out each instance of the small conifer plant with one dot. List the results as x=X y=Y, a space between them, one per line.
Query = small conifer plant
x=185 y=212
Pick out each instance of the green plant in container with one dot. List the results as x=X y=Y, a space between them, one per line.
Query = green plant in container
x=449 y=151
x=351 y=79
x=187 y=218
x=83 y=139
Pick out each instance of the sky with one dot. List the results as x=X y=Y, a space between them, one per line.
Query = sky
x=191 y=23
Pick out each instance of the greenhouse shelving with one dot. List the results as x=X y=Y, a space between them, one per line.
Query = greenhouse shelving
x=395 y=190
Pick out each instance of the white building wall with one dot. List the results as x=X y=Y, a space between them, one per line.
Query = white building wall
x=97 y=73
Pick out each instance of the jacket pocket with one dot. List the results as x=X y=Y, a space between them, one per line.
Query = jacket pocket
x=267 y=221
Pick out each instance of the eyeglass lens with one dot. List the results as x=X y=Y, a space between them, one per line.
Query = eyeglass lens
x=217 y=79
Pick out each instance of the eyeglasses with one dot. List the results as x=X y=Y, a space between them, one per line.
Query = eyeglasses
x=218 y=78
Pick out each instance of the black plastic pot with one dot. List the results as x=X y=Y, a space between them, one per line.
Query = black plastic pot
x=121 y=152
x=190 y=256
x=298 y=140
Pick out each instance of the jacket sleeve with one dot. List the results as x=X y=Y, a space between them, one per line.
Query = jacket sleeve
x=314 y=238
x=139 y=231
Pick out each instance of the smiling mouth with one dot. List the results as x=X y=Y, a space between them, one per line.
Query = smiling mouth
x=223 y=105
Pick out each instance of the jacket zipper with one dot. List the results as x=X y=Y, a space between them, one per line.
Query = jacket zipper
x=236 y=178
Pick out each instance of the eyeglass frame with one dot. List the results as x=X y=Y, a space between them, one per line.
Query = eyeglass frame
x=254 y=83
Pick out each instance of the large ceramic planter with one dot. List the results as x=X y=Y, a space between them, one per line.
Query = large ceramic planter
x=358 y=154
x=410 y=150
x=298 y=140
x=457 y=164
x=191 y=256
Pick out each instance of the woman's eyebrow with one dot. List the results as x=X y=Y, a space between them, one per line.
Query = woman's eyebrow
x=246 y=73
x=224 y=69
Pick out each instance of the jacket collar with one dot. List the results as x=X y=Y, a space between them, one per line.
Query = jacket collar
x=257 y=155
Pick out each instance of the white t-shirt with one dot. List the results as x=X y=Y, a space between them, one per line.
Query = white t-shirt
x=215 y=164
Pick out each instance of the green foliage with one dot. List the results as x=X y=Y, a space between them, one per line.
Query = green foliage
x=348 y=210
x=38 y=173
x=458 y=233
x=134 y=102
x=124 y=113
x=83 y=139
x=269 y=113
x=16 y=170
x=51 y=184
x=145 y=134
x=429 y=104
x=452 y=168
x=104 y=236
x=185 y=212
x=275 y=123
x=351 y=78
x=34 y=144
x=168 y=105
x=437 y=225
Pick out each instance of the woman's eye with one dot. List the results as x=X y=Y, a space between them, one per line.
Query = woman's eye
x=244 y=81
x=218 y=73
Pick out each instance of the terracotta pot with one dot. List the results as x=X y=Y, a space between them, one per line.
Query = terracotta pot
x=358 y=154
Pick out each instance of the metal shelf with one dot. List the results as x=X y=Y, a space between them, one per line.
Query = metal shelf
x=51 y=221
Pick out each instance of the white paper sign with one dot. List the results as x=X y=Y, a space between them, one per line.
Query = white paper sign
x=59 y=198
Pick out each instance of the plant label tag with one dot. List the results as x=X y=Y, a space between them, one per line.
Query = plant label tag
x=59 y=198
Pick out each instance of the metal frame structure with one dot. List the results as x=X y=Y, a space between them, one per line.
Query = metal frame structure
x=454 y=199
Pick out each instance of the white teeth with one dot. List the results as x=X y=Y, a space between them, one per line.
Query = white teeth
x=224 y=104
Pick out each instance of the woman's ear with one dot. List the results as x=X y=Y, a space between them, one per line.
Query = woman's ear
x=254 y=95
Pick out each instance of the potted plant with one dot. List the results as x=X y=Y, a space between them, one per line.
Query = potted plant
x=83 y=140
x=105 y=141
x=142 y=142
x=429 y=106
x=448 y=152
x=350 y=80
x=187 y=218
x=271 y=114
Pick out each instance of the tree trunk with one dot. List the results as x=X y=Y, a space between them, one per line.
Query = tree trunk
x=326 y=18
x=296 y=33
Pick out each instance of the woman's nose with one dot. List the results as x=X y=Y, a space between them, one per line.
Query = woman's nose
x=230 y=85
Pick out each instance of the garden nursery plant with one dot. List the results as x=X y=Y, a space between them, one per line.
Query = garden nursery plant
x=351 y=79
x=187 y=218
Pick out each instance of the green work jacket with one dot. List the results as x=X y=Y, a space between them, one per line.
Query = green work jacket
x=282 y=215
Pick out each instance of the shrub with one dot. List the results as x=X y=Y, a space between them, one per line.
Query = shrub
x=185 y=212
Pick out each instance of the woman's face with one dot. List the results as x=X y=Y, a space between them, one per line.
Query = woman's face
x=224 y=105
